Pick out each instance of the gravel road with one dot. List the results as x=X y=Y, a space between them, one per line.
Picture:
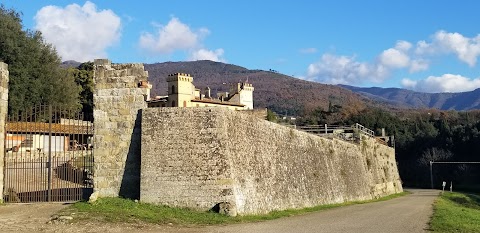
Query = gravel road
x=409 y=213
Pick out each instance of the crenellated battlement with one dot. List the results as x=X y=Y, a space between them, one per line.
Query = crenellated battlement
x=179 y=77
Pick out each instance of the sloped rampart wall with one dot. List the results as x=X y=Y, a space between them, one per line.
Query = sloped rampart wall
x=199 y=157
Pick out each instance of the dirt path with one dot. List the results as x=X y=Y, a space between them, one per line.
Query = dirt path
x=27 y=217
x=410 y=213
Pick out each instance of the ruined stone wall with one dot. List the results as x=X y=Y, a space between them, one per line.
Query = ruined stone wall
x=118 y=101
x=3 y=114
x=199 y=157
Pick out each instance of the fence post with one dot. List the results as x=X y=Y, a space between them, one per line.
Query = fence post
x=49 y=191
x=431 y=175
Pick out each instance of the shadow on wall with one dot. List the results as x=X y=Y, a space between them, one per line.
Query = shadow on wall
x=130 y=186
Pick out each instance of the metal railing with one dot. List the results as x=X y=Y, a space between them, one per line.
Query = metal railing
x=332 y=129
x=347 y=133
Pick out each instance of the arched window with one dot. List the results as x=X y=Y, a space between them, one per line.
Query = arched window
x=184 y=104
x=173 y=103
x=173 y=89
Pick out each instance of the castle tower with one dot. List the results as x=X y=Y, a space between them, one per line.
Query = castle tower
x=180 y=90
x=246 y=95
x=243 y=94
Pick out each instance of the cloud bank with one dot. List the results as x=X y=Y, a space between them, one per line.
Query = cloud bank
x=466 y=49
x=80 y=33
x=404 y=55
x=444 y=83
x=177 y=36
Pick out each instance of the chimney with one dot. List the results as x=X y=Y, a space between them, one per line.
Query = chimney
x=208 y=92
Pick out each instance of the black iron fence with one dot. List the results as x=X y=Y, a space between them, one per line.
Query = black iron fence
x=48 y=155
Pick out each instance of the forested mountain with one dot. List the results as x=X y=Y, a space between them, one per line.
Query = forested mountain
x=402 y=97
x=278 y=92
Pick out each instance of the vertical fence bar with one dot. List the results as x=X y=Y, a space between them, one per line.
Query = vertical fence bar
x=49 y=190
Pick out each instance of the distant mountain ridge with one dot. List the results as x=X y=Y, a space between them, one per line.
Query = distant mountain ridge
x=410 y=99
x=292 y=96
x=278 y=92
x=70 y=63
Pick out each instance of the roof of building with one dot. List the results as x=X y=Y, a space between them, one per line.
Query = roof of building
x=41 y=127
x=215 y=101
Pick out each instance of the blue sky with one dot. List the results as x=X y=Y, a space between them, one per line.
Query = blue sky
x=429 y=46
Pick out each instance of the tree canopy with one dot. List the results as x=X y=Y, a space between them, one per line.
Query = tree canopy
x=83 y=75
x=422 y=136
x=34 y=66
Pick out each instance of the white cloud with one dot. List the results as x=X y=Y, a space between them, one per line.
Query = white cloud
x=466 y=49
x=409 y=84
x=79 y=33
x=424 y=48
x=394 y=58
x=444 y=83
x=308 y=50
x=403 y=45
x=178 y=36
x=173 y=36
x=344 y=69
x=204 y=54
x=404 y=55
x=418 y=65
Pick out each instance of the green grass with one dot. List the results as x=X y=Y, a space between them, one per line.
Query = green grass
x=124 y=210
x=456 y=212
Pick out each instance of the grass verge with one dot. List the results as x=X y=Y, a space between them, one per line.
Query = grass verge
x=124 y=210
x=456 y=212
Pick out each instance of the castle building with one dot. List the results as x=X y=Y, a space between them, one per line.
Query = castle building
x=182 y=93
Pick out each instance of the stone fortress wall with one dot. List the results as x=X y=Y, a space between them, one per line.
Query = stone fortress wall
x=199 y=157
x=118 y=98
x=4 y=78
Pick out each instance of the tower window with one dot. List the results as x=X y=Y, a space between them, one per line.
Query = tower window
x=173 y=89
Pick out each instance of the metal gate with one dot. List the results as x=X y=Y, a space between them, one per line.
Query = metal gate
x=48 y=156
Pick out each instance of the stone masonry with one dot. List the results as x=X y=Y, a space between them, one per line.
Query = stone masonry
x=205 y=157
x=3 y=114
x=118 y=99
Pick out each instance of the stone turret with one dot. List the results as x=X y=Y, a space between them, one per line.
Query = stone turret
x=180 y=90
x=242 y=93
